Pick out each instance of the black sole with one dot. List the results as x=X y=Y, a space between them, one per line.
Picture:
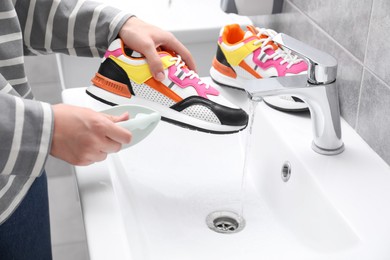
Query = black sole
x=171 y=121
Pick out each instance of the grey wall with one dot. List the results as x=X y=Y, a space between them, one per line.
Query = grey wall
x=357 y=33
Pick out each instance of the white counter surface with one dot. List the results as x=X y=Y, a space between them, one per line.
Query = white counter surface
x=103 y=224
x=346 y=194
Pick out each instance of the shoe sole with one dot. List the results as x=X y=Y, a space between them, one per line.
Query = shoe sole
x=167 y=114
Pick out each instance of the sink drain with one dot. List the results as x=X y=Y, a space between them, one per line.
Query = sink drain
x=286 y=171
x=226 y=222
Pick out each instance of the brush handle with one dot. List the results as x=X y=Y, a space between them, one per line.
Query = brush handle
x=141 y=121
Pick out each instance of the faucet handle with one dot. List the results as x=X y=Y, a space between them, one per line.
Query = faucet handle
x=322 y=67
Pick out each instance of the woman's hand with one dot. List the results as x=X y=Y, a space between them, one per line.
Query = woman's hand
x=82 y=136
x=145 y=38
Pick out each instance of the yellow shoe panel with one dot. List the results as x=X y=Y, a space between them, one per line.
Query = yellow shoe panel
x=140 y=73
x=234 y=57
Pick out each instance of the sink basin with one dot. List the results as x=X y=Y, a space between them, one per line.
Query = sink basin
x=332 y=207
x=154 y=199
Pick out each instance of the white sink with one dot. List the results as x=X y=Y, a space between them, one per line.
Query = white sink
x=332 y=207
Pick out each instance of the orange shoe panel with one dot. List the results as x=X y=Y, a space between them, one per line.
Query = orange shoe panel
x=225 y=70
x=245 y=66
x=111 y=85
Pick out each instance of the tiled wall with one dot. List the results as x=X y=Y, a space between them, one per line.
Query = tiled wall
x=357 y=34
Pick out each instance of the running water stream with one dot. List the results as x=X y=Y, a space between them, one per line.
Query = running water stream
x=252 y=113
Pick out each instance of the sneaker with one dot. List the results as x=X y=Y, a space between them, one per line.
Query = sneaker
x=182 y=98
x=251 y=54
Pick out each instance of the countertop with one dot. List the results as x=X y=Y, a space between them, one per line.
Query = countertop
x=102 y=220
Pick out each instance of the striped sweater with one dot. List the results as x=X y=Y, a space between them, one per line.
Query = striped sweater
x=33 y=27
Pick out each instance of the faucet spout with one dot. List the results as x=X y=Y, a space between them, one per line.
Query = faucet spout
x=322 y=101
x=318 y=89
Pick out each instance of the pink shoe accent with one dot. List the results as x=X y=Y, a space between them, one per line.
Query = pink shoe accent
x=116 y=53
x=280 y=68
x=187 y=82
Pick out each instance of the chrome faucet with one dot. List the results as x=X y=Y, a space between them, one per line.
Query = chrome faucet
x=317 y=89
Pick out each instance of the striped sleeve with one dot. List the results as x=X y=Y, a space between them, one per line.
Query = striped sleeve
x=26 y=133
x=74 y=27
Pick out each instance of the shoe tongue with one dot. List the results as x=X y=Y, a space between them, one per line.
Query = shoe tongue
x=248 y=34
x=166 y=52
x=251 y=31
x=163 y=53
